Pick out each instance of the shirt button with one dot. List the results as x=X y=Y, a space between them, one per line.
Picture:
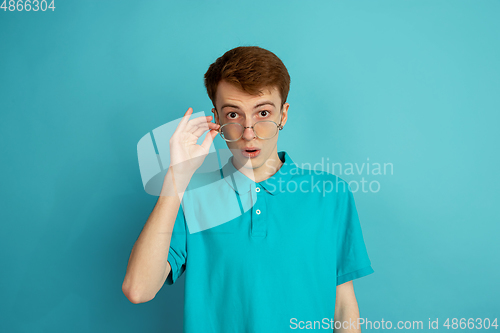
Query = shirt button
x=257 y=189
x=258 y=211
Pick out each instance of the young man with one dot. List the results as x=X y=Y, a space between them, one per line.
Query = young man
x=287 y=261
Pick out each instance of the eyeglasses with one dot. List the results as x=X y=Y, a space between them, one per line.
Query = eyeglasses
x=264 y=130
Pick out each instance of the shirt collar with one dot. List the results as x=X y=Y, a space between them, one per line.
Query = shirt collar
x=242 y=184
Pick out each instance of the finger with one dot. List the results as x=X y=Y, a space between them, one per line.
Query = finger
x=203 y=128
x=182 y=125
x=207 y=142
x=196 y=122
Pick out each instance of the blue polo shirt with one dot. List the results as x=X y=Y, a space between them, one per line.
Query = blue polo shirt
x=260 y=257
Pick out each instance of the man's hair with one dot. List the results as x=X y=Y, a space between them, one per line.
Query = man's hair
x=250 y=68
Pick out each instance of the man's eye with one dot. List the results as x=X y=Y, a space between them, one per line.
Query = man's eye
x=267 y=113
x=230 y=113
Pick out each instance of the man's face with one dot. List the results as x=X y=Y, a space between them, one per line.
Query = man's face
x=235 y=105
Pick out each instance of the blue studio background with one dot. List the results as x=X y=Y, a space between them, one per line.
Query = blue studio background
x=414 y=84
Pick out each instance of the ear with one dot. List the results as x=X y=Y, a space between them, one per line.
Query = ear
x=284 y=116
x=216 y=116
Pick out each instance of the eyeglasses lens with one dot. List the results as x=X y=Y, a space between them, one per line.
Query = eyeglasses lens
x=263 y=130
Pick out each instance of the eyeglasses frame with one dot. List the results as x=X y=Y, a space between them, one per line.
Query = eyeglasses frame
x=280 y=127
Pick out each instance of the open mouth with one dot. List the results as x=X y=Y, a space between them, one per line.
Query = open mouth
x=250 y=152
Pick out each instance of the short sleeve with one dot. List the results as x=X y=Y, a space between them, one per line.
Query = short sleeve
x=177 y=253
x=352 y=258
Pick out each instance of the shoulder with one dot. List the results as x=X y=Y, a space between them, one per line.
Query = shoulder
x=200 y=179
x=319 y=174
x=325 y=182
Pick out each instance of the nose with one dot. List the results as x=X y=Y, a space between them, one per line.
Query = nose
x=248 y=133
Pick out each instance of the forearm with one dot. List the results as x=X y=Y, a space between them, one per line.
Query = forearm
x=346 y=310
x=147 y=265
x=347 y=315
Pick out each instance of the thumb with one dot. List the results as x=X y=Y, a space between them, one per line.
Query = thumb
x=209 y=137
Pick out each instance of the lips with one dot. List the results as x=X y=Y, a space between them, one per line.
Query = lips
x=251 y=149
x=250 y=152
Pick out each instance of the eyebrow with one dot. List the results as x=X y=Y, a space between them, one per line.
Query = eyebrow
x=255 y=107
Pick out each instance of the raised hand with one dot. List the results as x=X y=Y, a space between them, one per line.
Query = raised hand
x=186 y=156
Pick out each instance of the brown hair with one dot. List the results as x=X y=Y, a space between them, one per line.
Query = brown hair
x=250 y=68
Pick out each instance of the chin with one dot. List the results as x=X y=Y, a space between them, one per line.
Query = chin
x=250 y=163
